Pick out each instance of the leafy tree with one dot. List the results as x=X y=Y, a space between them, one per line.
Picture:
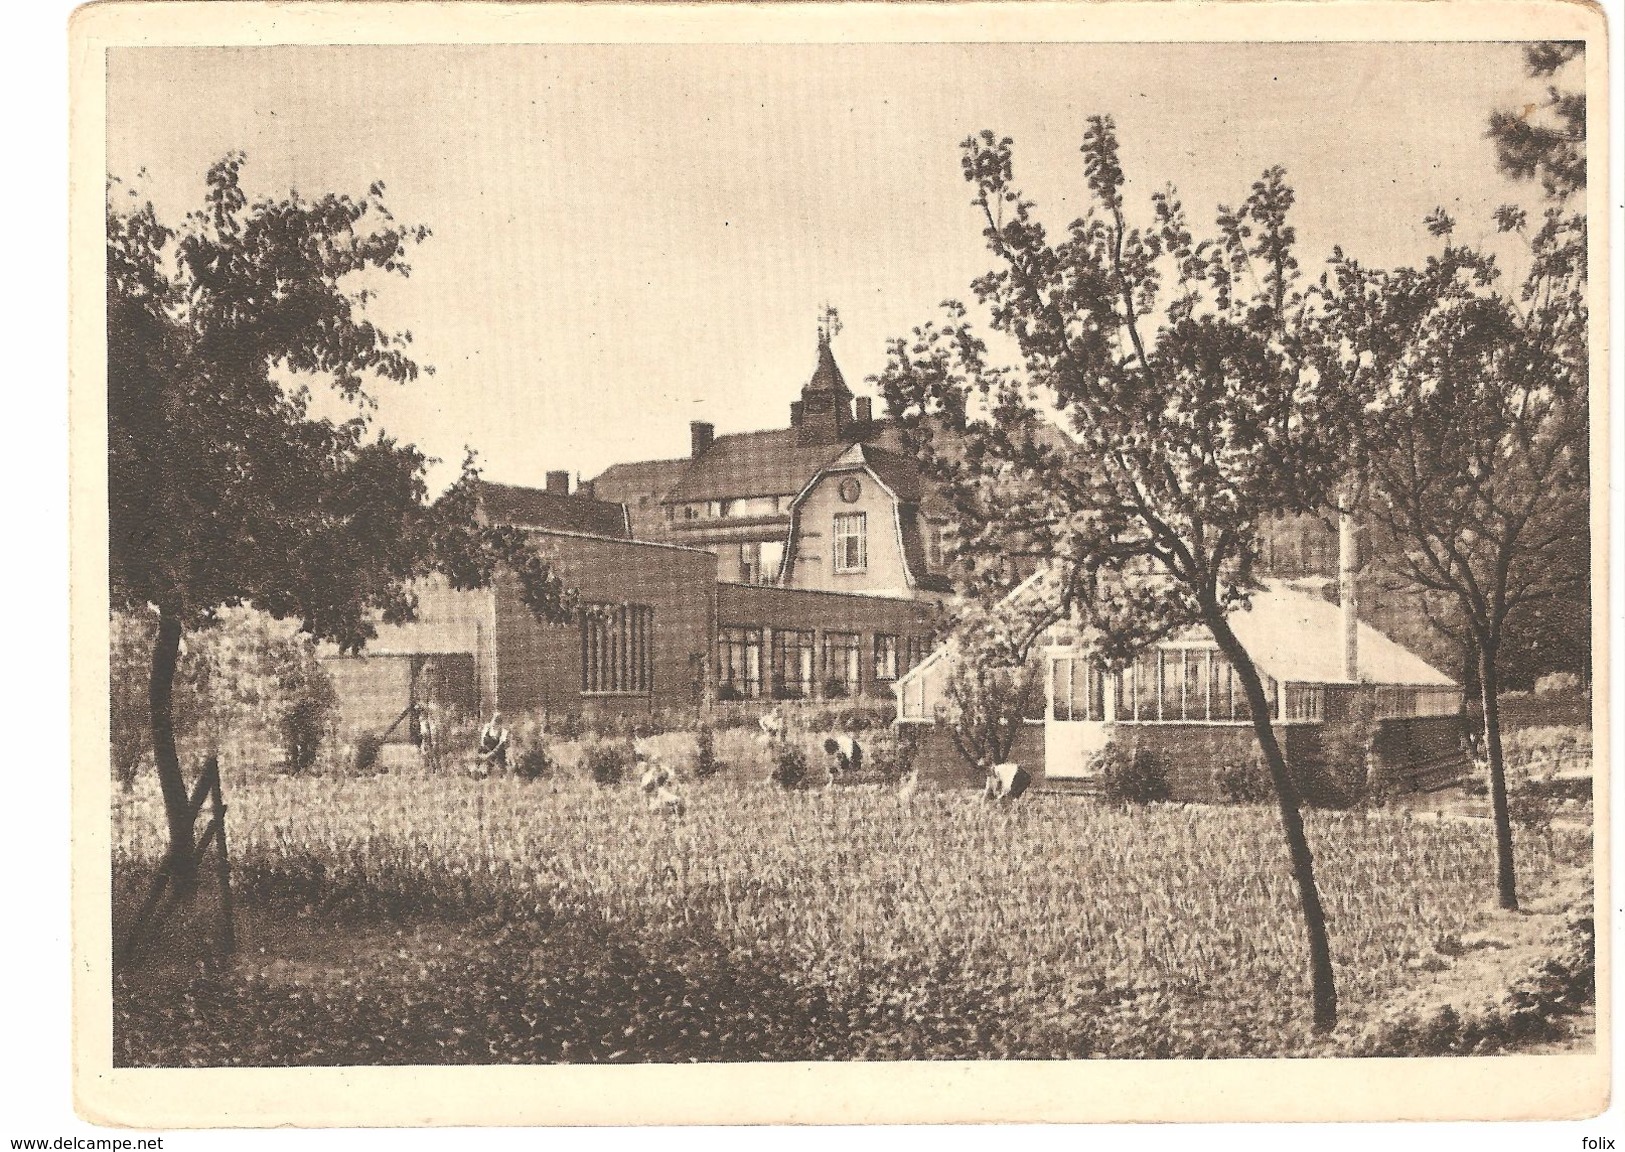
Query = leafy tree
x=993 y=684
x=1478 y=428
x=1546 y=142
x=223 y=487
x=984 y=704
x=1201 y=402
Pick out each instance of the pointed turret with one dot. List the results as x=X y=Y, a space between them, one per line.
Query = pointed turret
x=824 y=412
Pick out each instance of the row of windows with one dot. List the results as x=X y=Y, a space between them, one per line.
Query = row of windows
x=1198 y=684
x=1164 y=684
x=759 y=561
x=738 y=509
x=617 y=658
x=795 y=668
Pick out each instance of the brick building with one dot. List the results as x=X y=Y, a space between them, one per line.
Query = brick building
x=802 y=563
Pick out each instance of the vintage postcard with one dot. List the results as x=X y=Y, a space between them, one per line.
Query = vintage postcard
x=839 y=563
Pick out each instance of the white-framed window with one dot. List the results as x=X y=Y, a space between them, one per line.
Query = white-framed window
x=793 y=655
x=885 y=657
x=1077 y=689
x=841 y=675
x=739 y=663
x=851 y=541
x=1171 y=685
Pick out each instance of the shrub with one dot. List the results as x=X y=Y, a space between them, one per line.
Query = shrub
x=364 y=758
x=984 y=703
x=533 y=763
x=567 y=725
x=1557 y=684
x=1244 y=782
x=306 y=701
x=790 y=767
x=706 y=763
x=606 y=763
x=1136 y=777
x=892 y=755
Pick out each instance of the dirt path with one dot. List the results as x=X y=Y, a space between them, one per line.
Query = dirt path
x=1483 y=965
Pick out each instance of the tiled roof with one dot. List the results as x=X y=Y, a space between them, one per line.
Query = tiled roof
x=537 y=508
x=651 y=478
x=768 y=463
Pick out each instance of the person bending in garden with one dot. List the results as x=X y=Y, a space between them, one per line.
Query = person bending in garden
x=1005 y=781
x=493 y=746
x=845 y=756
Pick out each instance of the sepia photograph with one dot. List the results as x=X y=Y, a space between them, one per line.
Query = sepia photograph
x=1078 y=550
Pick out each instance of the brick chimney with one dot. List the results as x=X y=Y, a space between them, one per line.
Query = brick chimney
x=795 y=413
x=558 y=483
x=700 y=435
x=866 y=409
x=587 y=488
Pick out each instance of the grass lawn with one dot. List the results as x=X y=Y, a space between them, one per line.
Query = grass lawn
x=413 y=919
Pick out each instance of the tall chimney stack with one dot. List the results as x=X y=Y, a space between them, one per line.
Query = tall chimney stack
x=558 y=483
x=700 y=435
x=866 y=409
x=1348 y=600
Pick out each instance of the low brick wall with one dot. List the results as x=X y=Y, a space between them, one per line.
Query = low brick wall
x=939 y=765
x=1191 y=752
x=1421 y=752
x=1416 y=753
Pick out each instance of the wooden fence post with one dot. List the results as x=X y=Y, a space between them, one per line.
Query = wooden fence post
x=207 y=786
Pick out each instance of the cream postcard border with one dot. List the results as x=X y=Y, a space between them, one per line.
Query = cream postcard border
x=1486 y=1088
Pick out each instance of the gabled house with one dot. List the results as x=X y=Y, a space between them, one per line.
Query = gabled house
x=829 y=503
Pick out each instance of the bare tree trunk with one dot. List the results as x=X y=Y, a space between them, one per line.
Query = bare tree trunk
x=1322 y=981
x=1506 y=887
x=160 y=696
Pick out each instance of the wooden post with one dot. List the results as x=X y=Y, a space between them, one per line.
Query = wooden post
x=208 y=786
x=228 y=935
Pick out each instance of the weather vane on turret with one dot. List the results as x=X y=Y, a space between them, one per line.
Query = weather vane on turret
x=829 y=324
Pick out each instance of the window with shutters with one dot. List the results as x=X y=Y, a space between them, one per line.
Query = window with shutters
x=617 y=650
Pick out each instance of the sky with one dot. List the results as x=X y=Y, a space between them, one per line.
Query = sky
x=627 y=238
